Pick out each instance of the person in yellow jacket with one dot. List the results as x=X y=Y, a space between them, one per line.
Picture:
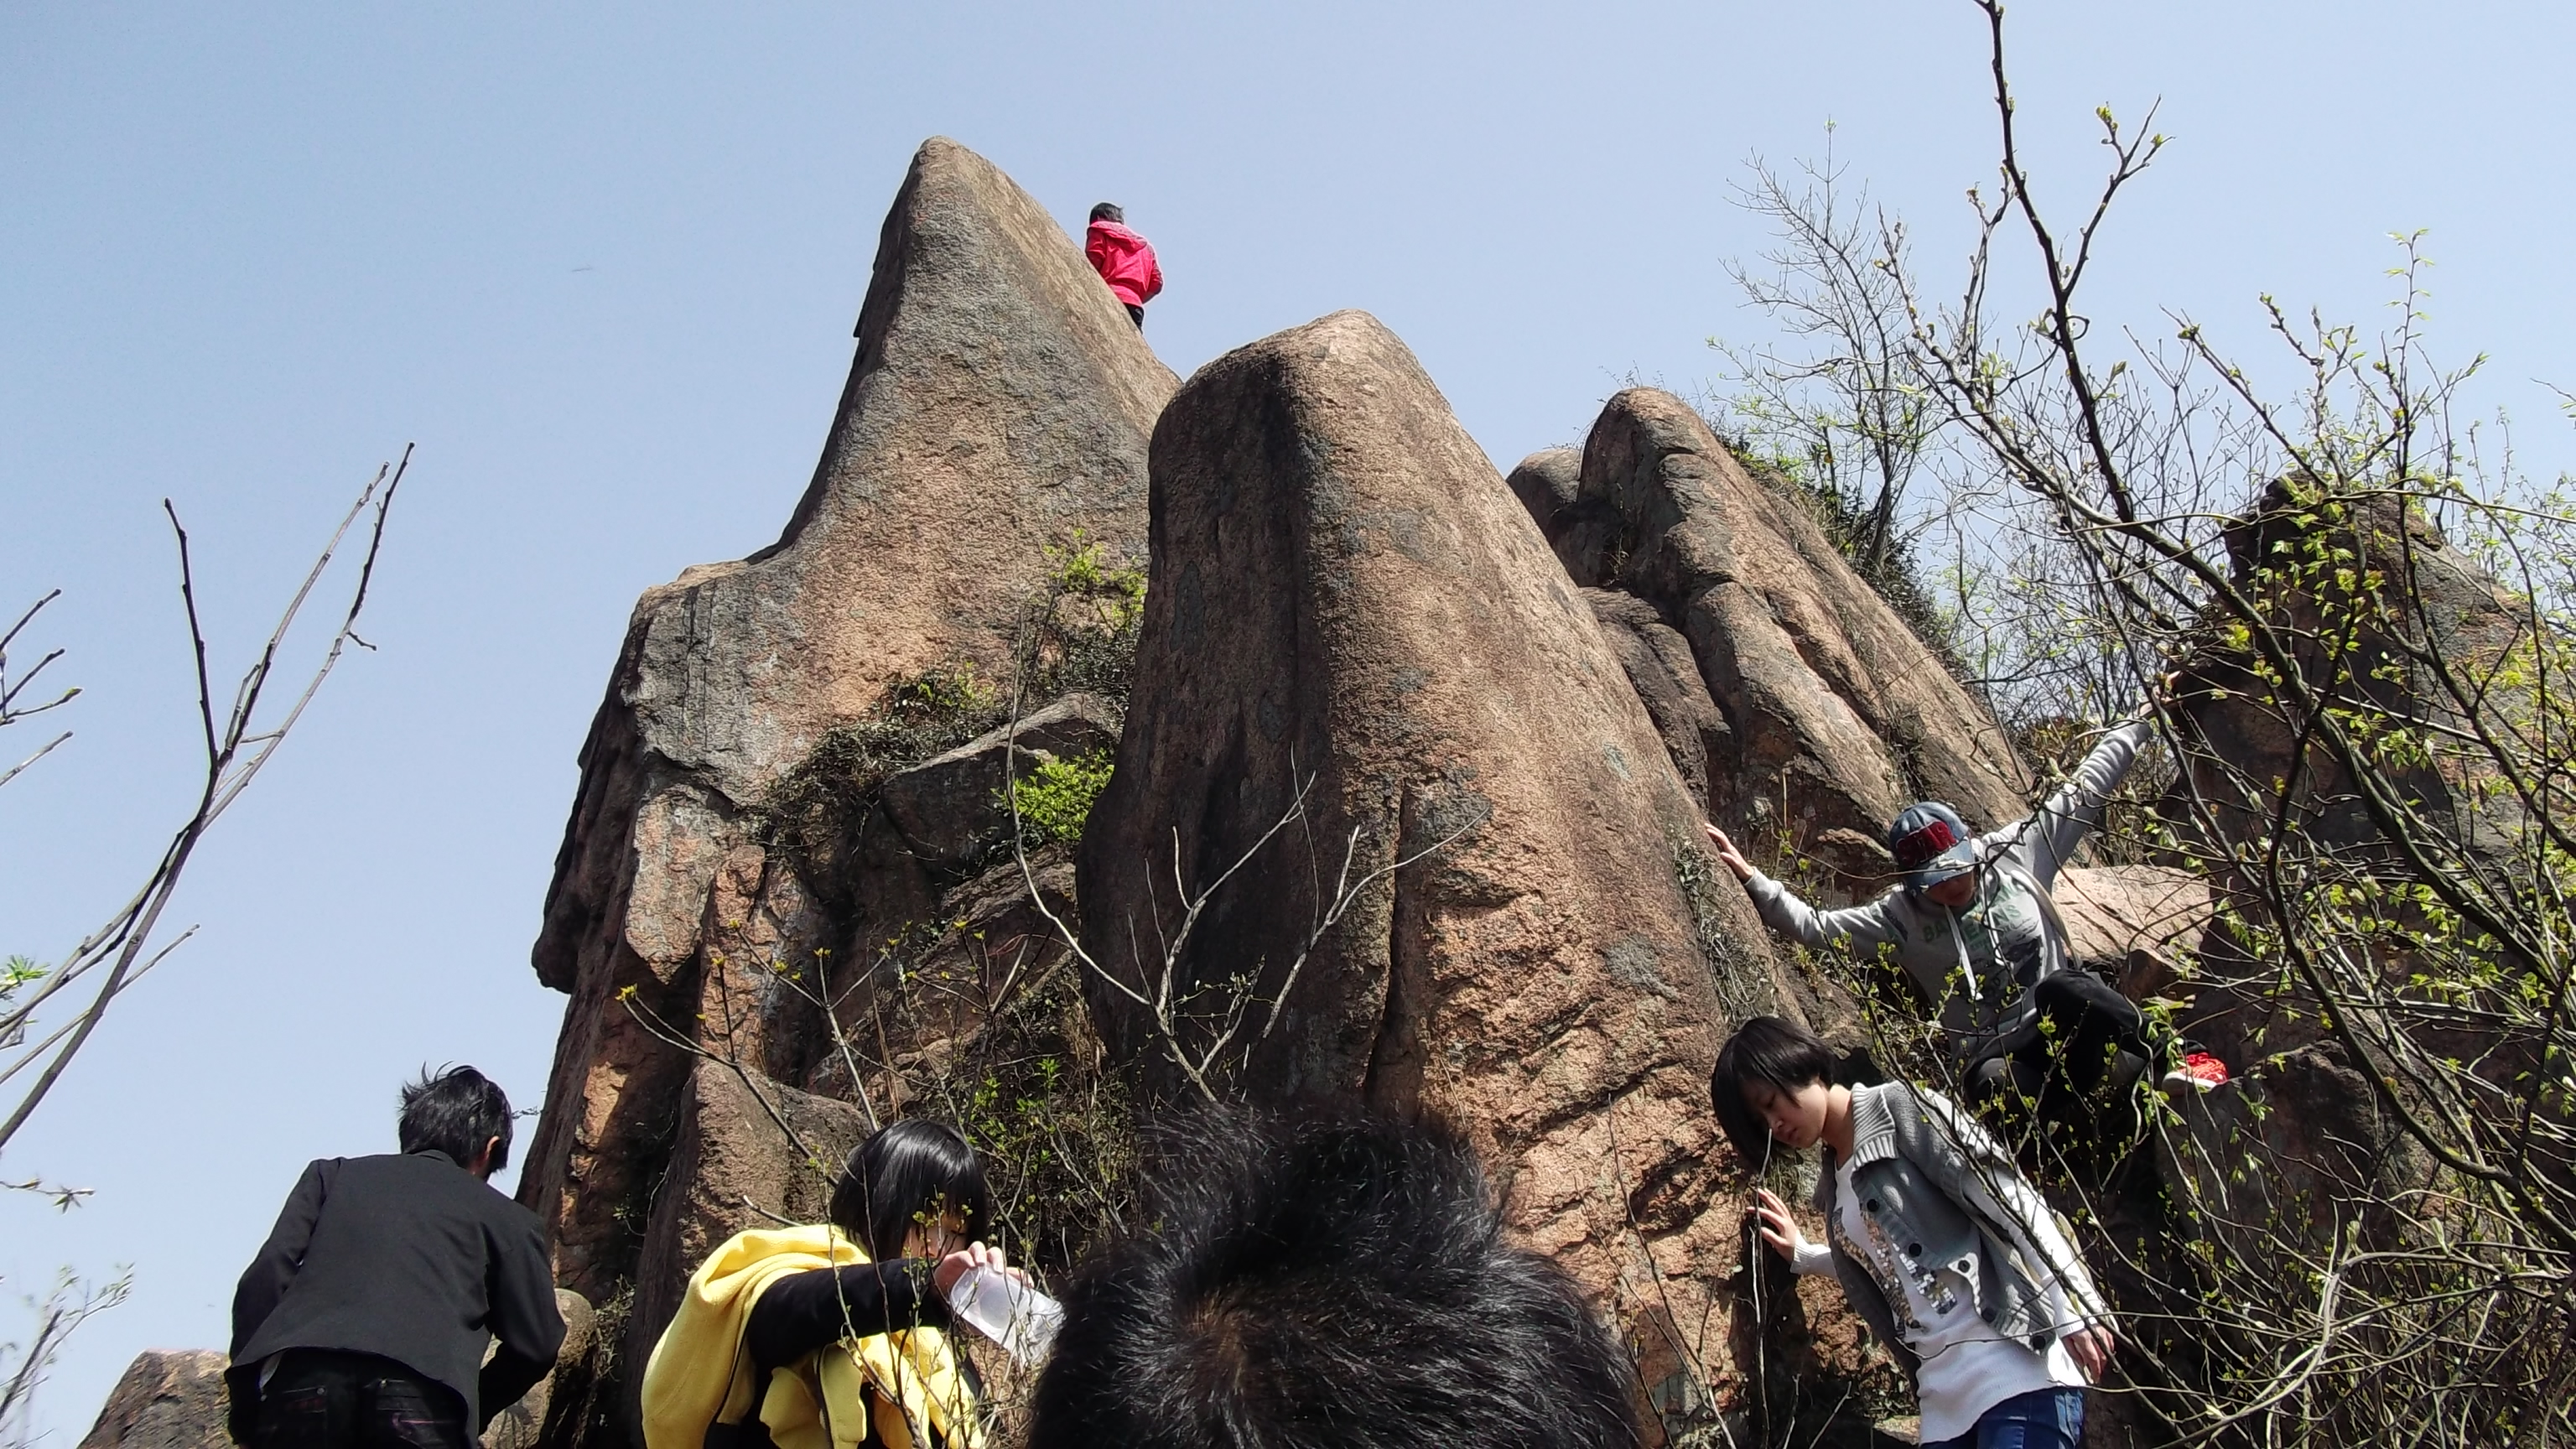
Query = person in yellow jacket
x=836 y=1336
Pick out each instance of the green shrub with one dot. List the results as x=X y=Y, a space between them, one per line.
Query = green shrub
x=1077 y=568
x=17 y=971
x=1087 y=623
x=1056 y=797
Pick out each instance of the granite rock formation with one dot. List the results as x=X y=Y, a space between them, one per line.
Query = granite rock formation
x=1659 y=666
x=951 y=809
x=748 y=1152
x=177 y=1398
x=2136 y=926
x=2435 y=601
x=1836 y=714
x=1547 y=482
x=1405 y=807
x=1350 y=611
x=2330 y=1141
x=168 y=1399
x=522 y=1425
x=996 y=416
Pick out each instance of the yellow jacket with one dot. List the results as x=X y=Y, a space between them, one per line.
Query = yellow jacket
x=699 y=1372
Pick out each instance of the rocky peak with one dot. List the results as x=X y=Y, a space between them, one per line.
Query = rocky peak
x=1837 y=714
x=995 y=420
x=1351 y=610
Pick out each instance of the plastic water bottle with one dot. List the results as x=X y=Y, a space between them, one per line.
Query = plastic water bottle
x=1009 y=1312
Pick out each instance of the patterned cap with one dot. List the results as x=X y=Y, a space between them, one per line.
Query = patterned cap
x=1931 y=844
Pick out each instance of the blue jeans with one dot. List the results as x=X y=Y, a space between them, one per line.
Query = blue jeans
x=2046 y=1419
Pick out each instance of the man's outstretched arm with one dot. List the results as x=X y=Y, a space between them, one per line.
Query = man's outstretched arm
x=2075 y=809
x=1855 y=928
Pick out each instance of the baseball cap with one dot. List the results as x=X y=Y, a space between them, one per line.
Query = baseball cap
x=1931 y=844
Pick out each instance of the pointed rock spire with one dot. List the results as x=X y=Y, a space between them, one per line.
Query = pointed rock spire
x=1351 y=608
x=999 y=406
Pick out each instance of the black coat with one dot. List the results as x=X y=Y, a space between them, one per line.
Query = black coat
x=410 y=1258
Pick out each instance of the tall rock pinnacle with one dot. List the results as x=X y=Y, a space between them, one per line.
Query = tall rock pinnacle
x=999 y=405
x=1348 y=602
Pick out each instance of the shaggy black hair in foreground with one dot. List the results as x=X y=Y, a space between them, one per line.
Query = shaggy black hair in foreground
x=912 y=1172
x=1766 y=1049
x=456 y=1110
x=1109 y=211
x=1326 y=1278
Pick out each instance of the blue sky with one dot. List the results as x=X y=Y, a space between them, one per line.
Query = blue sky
x=601 y=262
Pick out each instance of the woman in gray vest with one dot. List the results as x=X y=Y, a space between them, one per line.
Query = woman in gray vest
x=1940 y=1243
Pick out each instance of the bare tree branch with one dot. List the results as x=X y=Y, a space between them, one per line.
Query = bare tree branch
x=234 y=757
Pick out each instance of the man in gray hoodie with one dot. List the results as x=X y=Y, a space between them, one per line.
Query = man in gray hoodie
x=1975 y=928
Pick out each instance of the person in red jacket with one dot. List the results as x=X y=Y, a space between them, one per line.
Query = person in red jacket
x=1124 y=260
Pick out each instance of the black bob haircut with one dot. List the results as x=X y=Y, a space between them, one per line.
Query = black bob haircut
x=1765 y=1049
x=456 y=1110
x=1326 y=1277
x=912 y=1172
x=1109 y=211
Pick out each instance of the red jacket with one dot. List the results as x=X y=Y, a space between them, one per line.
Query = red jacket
x=1125 y=261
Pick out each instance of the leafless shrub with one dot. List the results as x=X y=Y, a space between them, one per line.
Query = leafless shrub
x=124 y=949
x=235 y=752
x=61 y=1312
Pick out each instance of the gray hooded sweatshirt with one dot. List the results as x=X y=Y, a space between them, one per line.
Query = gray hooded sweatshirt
x=1978 y=963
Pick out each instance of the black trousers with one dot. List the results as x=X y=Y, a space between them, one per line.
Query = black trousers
x=1136 y=315
x=320 y=1399
x=2093 y=1037
x=2093 y=1022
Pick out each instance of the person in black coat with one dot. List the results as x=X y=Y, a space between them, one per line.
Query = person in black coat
x=364 y=1320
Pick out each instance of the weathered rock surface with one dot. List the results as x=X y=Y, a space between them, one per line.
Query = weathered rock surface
x=2134 y=924
x=1547 y=482
x=751 y=1153
x=2242 y=743
x=177 y=1398
x=1658 y=663
x=951 y=810
x=1838 y=713
x=522 y=1425
x=999 y=406
x=2333 y=1157
x=991 y=940
x=168 y=1399
x=1581 y=531
x=2243 y=766
x=1348 y=602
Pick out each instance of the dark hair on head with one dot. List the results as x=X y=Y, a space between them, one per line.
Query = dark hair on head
x=1109 y=211
x=456 y=1110
x=1765 y=1049
x=1326 y=1277
x=911 y=1173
